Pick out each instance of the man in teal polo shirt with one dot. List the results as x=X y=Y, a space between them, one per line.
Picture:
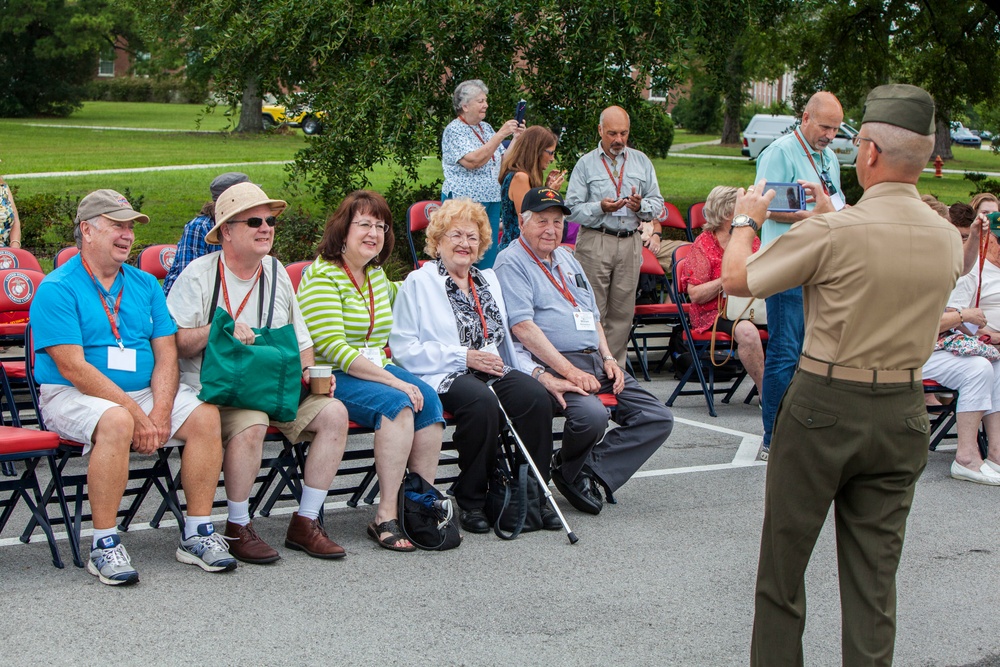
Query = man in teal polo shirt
x=804 y=153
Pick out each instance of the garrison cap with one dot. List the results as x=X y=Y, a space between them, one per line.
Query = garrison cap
x=902 y=105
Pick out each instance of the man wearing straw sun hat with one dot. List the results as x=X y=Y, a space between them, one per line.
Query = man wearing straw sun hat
x=259 y=290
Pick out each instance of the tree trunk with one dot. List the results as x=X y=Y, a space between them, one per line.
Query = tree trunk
x=733 y=97
x=250 y=117
x=942 y=138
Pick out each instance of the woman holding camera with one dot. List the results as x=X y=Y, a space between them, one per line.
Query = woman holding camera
x=523 y=168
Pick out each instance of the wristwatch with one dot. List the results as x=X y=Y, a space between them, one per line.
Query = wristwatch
x=744 y=220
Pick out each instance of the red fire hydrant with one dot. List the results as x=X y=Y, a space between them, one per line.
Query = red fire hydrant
x=938 y=163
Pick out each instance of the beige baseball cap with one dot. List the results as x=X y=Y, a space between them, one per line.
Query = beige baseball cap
x=107 y=203
x=236 y=199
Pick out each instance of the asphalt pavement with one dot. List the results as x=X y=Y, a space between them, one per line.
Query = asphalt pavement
x=665 y=577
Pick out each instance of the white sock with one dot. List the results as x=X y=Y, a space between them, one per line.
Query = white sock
x=312 y=502
x=239 y=512
x=101 y=533
x=191 y=524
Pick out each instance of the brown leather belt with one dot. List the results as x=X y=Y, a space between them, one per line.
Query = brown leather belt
x=866 y=375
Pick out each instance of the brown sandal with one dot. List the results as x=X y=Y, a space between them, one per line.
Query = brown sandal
x=395 y=535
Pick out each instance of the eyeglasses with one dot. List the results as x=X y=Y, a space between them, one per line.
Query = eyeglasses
x=379 y=227
x=550 y=153
x=858 y=139
x=257 y=222
x=458 y=237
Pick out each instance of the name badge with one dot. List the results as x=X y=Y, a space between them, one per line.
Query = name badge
x=121 y=360
x=621 y=213
x=372 y=354
x=838 y=201
x=584 y=321
x=491 y=349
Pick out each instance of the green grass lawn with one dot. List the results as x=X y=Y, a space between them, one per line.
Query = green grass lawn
x=685 y=137
x=171 y=198
x=711 y=150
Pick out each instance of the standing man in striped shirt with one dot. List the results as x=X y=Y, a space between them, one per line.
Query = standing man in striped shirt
x=254 y=288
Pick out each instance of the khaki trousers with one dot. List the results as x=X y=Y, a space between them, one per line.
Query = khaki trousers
x=861 y=448
x=612 y=267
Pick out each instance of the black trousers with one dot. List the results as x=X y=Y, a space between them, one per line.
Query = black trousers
x=478 y=421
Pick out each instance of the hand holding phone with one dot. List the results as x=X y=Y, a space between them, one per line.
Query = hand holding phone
x=788 y=197
x=519 y=111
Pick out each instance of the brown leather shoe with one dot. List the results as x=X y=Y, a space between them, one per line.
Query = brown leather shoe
x=307 y=535
x=246 y=545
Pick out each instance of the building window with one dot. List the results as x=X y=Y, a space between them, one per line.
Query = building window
x=106 y=66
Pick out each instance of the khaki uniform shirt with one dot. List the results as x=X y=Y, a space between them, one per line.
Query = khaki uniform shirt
x=876 y=278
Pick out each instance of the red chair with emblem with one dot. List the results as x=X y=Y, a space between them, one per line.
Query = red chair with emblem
x=295 y=271
x=695 y=219
x=653 y=314
x=671 y=218
x=418 y=216
x=64 y=255
x=18 y=258
x=17 y=290
x=157 y=259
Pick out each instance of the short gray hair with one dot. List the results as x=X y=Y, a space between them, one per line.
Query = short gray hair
x=902 y=148
x=719 y=207
x=78 y=234
x=465 y=91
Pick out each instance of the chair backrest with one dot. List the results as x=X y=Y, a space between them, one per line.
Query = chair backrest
x=295 y=271
x=418 y=216
x=64 y=255
x=17 y=289
x=18 y=258
x=157 y=259
x=650 y=264
x=679 y=285
x=695 y=219
x=671 y=217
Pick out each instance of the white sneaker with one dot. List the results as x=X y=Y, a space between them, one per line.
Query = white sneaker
x=985 y=474
x=994 y=466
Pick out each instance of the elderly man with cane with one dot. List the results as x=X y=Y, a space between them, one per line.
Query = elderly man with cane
x=876 y=278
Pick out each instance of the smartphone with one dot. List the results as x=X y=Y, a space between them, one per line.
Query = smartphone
x=519 y=111
x=788 y=197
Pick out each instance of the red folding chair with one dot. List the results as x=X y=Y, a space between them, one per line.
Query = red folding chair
x=418 y=216
x=671 y=218
x=295 y=271
x=157 y=259
x=64 y=255
x=652 y=314
x=17 y=290
x=18 y=258
x=695 y=219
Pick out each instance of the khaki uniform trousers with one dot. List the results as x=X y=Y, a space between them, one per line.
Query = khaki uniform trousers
x=612 y=266
x=860 y=447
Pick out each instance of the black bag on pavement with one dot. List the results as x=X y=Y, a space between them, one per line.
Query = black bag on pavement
x=426 y=516
x=513 y=504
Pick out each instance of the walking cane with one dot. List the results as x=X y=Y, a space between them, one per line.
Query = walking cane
x=573 y=539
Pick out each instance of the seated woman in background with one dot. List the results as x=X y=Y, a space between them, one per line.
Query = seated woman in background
x=346 y=301
x=702 y=280
x=451 y=331
x=523 y=168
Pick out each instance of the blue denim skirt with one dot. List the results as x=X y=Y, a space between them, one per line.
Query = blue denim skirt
x=366 y=401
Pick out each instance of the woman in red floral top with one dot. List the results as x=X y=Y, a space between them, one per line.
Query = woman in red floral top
x=701 y=279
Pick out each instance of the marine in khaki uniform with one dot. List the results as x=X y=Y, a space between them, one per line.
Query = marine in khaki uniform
x=852 y=430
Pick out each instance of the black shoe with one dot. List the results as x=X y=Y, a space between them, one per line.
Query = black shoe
x=474 y=521
x=582 y=494
x=550 y=520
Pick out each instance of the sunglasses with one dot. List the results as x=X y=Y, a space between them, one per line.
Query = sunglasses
x=254 y=223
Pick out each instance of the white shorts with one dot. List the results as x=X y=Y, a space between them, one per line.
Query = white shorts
x=74 y=415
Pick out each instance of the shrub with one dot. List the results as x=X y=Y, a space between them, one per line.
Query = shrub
x=174 y=89
x=982 y=183
x=654 y=129
x=700 y=113
x=298 y=235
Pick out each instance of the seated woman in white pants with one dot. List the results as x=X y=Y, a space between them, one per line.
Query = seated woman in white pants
x=977 y=381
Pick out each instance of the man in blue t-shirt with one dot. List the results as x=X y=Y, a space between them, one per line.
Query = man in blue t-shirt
x=106 y=360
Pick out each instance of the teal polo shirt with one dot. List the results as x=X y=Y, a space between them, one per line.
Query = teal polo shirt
x=784 y=161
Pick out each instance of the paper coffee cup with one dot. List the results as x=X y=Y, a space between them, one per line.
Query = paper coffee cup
x=320 y=378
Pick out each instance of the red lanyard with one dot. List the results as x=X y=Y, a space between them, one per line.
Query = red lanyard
x=984 y=244
x=225 y=292
x=479 y=309
x=563 y=289
x=371 y=300
x=112 y=316
x=621 y=175
x=822 y=182
x=478 y=135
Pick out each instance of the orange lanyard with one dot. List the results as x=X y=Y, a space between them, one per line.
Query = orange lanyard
x=476 y=132
x=621 y=175
x=822 y=182
x=479 y=309
x=371 y=300
x=225 y=292
x=112 y=315
x=563 y=289
x=984 y=244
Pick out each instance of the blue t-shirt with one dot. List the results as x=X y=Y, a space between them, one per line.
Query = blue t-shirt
x=67 y=311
